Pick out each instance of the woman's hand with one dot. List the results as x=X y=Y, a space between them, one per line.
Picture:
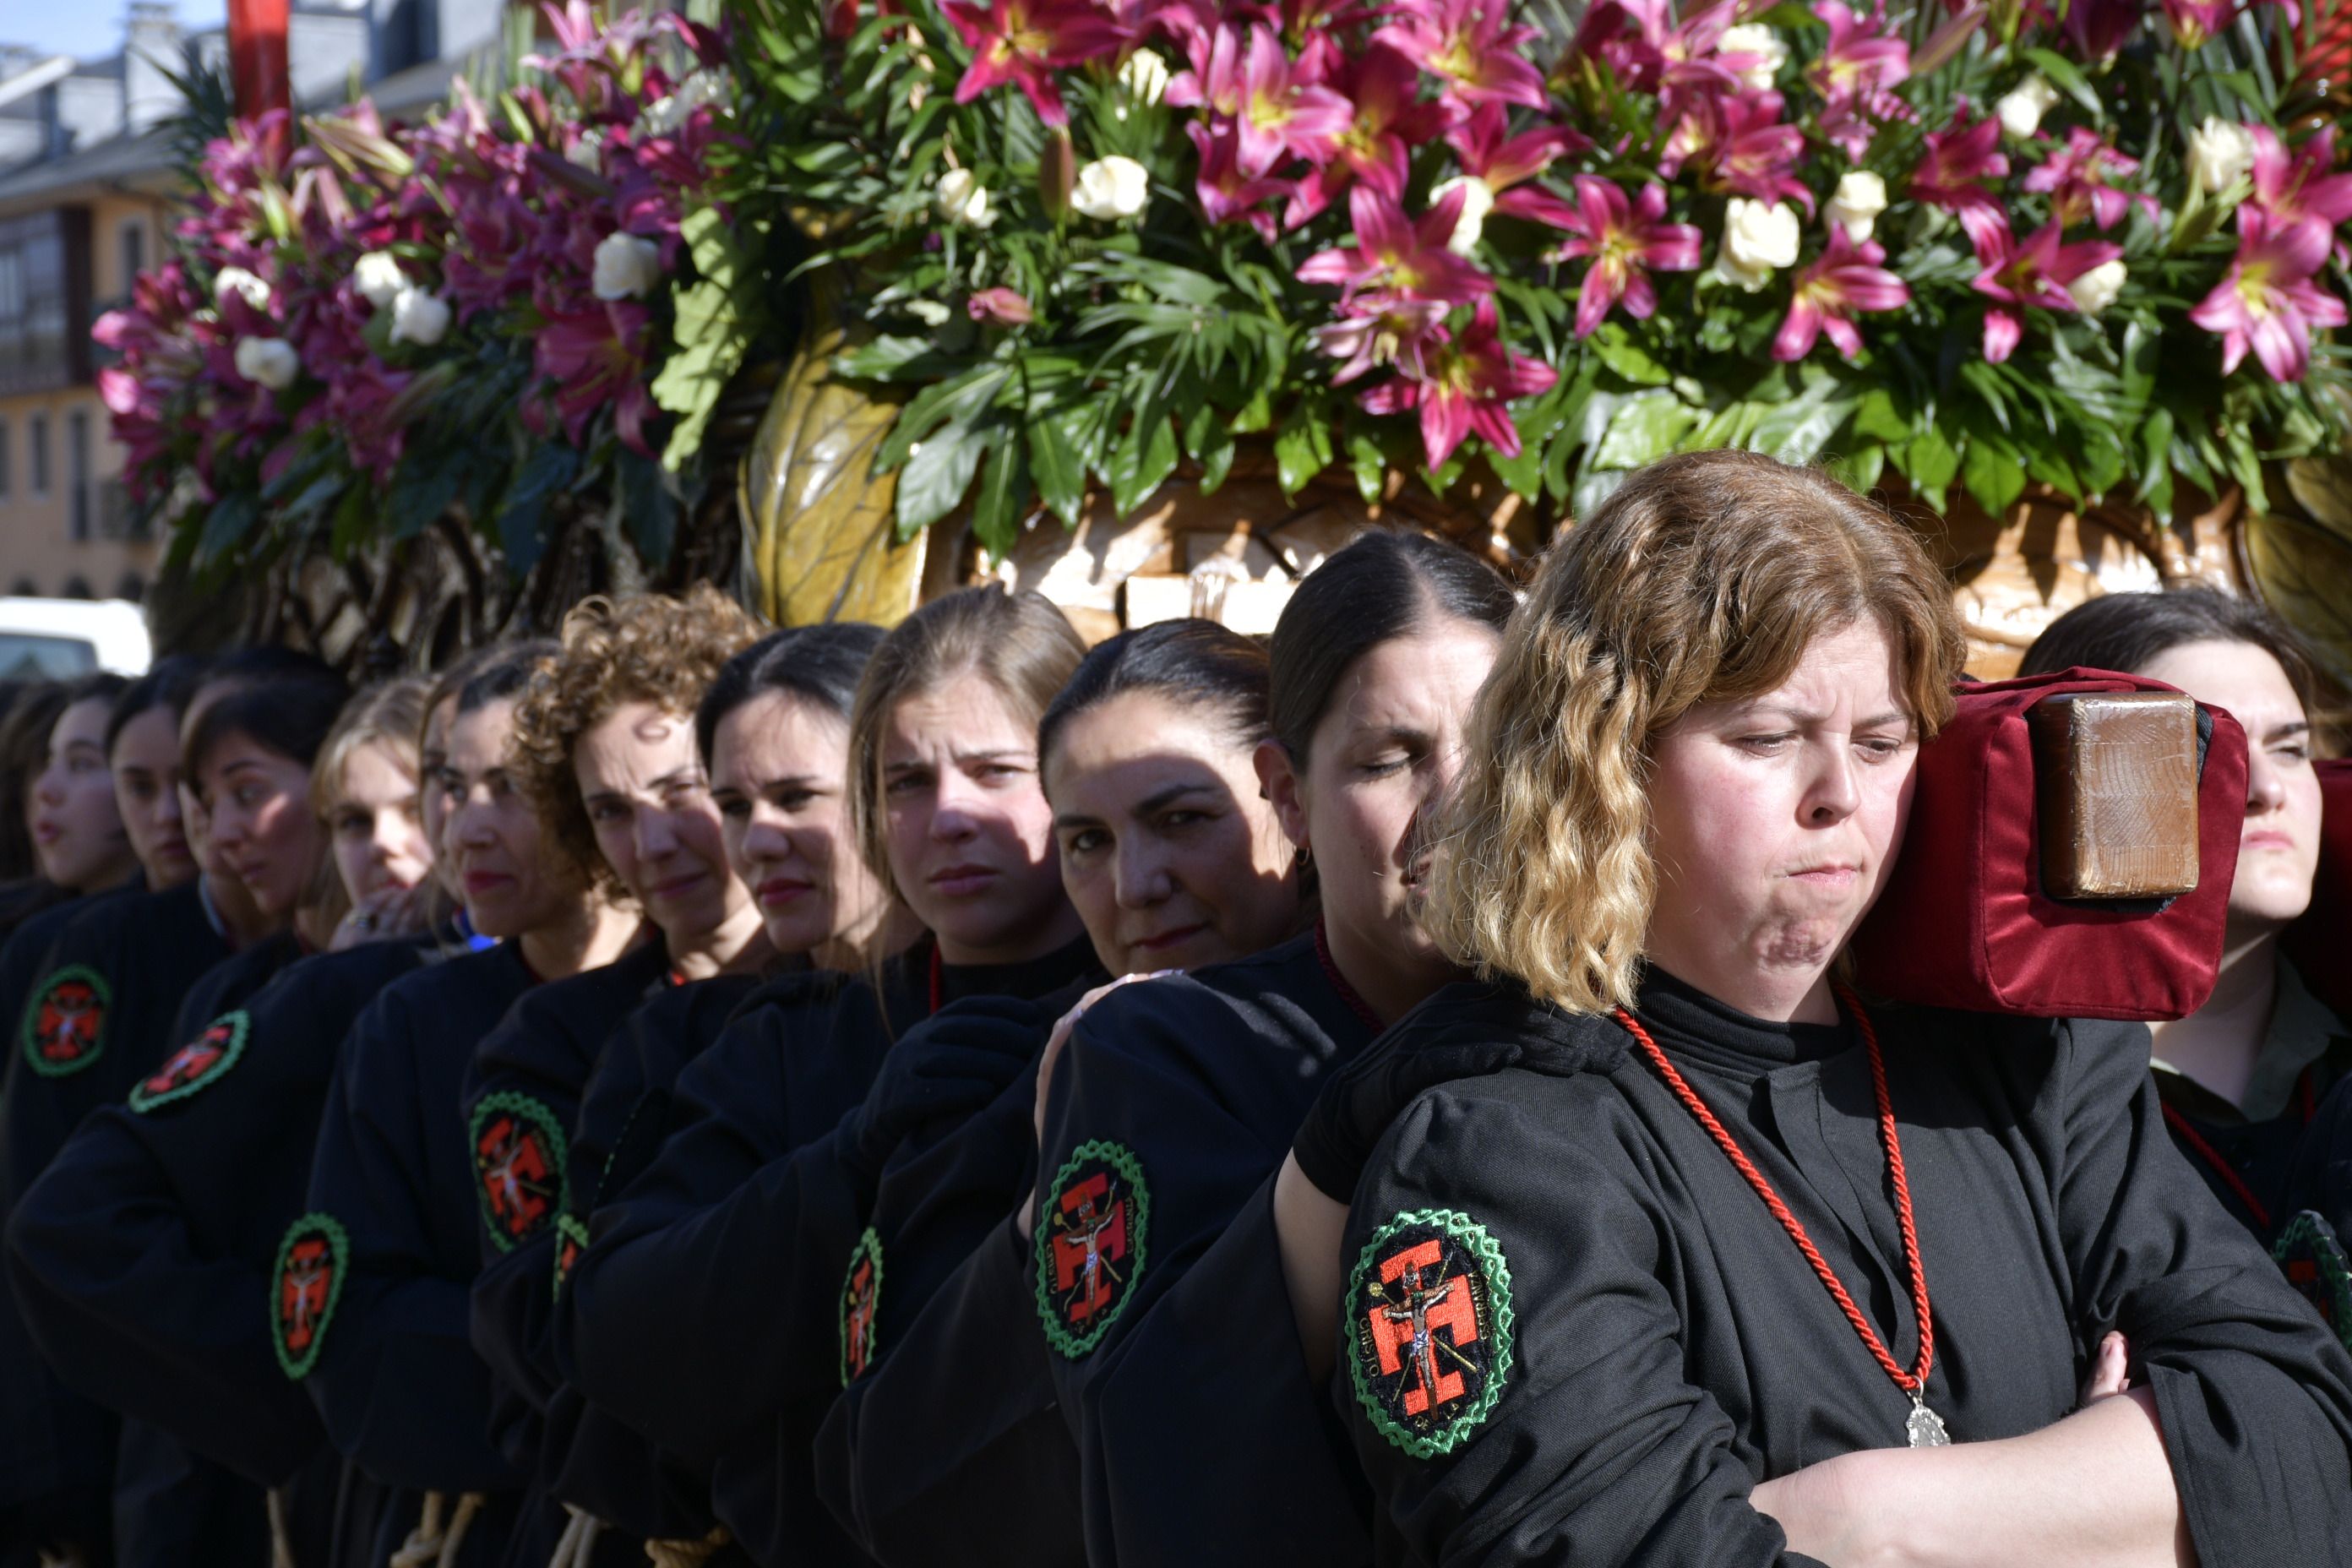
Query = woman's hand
x=387 y=912
x=1052 y=1058
x=2110 y=1373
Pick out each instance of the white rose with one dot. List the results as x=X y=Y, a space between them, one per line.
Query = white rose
x=1111 y=188
x=1755 y=39
x=963 y=200
x=2097 y=290
x=419 y=318
x=1141 y=80
x=2219 y=153
x=1758 y=240
x=1478 y=201
x=930 y=312
x=267 y=361
x=244 y=285
x=714 y=84
x=2020 y=109
x=378 y=278
x=627 y=267
x=1856 y=203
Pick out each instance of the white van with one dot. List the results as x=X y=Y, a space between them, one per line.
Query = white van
x=56 y=639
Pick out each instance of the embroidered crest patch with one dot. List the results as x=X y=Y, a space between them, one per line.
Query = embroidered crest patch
x=519 y=1151
x=1090 y=1245
x=571 y=1240
x=308 y=1282
x=203 y=1061
x=2313 y=1259
x=65 y=1022
x=1429 y=1328
x=861 y=1294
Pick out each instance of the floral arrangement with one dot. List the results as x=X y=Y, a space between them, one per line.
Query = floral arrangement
x=363 y=328
x=1979 y=244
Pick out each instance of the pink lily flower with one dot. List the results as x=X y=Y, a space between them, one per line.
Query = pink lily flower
x=1626 y=38
x=2291 y=187
x=1740 y=144
x=1690 y=66
x=1283 y=113
x=1856 y=76
x=2033 y=273
x=1389 y=120
x=1463 y=390
x=1509 y=164
x=1403 y=257
x=1952 y=174
x=999 y=308
x=1226 y=191
x=1025 y=41
x=1626 y=241
x=2076 y=175
x=2196 y=21
x=1845 y=278
x=1468 y=46
x=2097 y=28
x=594 y=358
x=2267 y=301
x=1381 y=328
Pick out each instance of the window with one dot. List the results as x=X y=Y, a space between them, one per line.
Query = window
x=133 y=240
x=7 y=460
x=37 y=436
x=78 y=473
x=45 y=301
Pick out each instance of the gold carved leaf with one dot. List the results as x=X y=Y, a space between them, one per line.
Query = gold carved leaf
x=821 y=520
x=2304 y=573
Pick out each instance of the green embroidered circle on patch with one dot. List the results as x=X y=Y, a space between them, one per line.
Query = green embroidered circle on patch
x=197 y=1064
x=64 y=1026
x=1429 y=1327
x=1091 y=1245
x=2312 y=1255
x=570 y=1241
x=306 y=1287
x=861 y=1297
x=519 y=1153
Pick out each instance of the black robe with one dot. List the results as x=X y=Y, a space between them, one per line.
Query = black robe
x=147 y=1257
x=1571 y=1332
x=395 y=1377
x=519 y=1102
x=1176 y=1101
x=735 y=1200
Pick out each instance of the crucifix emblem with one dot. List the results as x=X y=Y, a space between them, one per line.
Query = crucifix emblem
x=1090 y=1245
x=1431 y=1316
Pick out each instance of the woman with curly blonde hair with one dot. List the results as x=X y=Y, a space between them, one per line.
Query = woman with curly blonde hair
x=1679 y=1252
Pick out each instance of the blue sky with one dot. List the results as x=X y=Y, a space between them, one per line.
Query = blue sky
x=87 y=28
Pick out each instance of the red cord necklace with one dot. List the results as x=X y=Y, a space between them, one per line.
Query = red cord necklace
x=1348 y=993
x=1924 y=1428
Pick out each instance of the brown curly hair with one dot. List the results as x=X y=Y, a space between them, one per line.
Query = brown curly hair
x=645 y=647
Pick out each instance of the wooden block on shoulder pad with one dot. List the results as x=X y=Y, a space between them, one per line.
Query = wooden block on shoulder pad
x=2115 y=785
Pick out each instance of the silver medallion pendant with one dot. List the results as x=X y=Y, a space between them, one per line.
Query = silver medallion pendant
x=1925 y=1427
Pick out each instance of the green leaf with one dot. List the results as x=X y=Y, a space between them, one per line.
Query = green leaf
x=1876 y=418
x=1929 y=460
x=1370 y=463
x=1796 y=431
x=1643 y=429
x=2066 y=76
x=1147 y=454
x=1003 y=496
x=232 y=518
x=936 y=476
x=2156 y=461
x=1053 y=462
x=421 y=490
x=550 y=467
x=712 y=337
x=1302 y=449
x=1992 y=473
x=1620 y=354
x=1215 y=456
x=1860 y=471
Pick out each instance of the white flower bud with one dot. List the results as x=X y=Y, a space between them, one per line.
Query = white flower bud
x=2097 y=290
x=1142 y=77
x=2022 y=108
x=1855 y=206
x=2219 y=153
x=962 y=200
x=1478 y=201
x=1758 y=240
x=419 y=318
x=627 y=267
x=1755 y=39
x=1112 y=188
x=378 y=278
x=267 y=361
x=237 y=281
x=930 y=312
x=587 y=150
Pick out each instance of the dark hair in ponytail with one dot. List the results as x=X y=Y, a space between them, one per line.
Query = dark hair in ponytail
x=819 y=664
